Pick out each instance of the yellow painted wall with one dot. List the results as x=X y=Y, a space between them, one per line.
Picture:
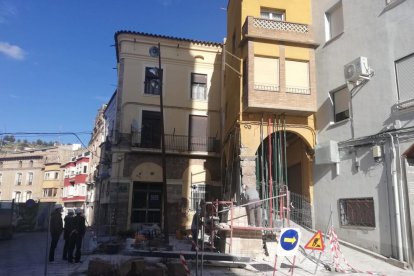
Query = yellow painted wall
x=179 y=59
x=298 y=53
x=297 y=11
x=266 y=49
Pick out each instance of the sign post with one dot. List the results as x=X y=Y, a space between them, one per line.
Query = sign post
x=288 y=245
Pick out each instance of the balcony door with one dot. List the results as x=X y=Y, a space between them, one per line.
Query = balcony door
x=151 y=129
x=197 y=139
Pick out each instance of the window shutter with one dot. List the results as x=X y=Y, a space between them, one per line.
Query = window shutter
x=297 y=77
x=266 y=73
x=405 y=79
x=198 y=78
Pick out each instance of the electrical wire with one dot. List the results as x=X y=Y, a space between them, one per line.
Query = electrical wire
x=28 y=134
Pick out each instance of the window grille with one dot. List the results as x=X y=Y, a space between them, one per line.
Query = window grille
x=357 y=212
x=198 y=192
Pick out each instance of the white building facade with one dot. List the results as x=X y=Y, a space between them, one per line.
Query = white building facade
x=363 y=173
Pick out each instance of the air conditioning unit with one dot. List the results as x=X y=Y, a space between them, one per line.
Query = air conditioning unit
x=327 y=153
x=356 y=69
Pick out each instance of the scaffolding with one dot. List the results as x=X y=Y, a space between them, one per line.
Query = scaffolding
x=219 y=216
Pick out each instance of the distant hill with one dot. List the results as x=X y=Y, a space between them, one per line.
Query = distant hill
x=9 y=143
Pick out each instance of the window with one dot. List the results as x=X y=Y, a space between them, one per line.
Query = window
x=56 y=175
x=1 y=164
x=198 y=192
x=146 y=203
x=31 y=164
x=334 y=21
x=1 y=178
x=151 y=129
x=405 y=69
x=357 y=212
x=198 y=133
x=50 y=192
x=198 y=86
x=20 y=164
x=152 y=86
x=18 y=179
x=28 y=195
x=297 y=77
x=17 y=196
x=29 y=178
x=85 y=169
x=340 y=99
x=266 y=74
x=272 y=14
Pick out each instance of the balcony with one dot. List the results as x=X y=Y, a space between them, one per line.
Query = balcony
x=281 y=31
x=294 y=101
x=175 y=143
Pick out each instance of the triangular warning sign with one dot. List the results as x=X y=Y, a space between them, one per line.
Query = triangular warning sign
x=316 y=242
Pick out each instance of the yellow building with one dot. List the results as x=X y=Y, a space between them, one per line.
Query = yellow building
x=270 y=98
x=191 y=92
x=52 y=183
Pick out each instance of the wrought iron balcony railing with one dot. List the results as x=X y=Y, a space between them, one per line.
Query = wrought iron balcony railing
x=173 y=142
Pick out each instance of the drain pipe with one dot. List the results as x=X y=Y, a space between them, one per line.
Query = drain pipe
x=396 y=198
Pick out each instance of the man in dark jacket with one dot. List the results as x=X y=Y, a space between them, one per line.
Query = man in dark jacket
x=66 y=232
x=76 y=236
x=56 y=227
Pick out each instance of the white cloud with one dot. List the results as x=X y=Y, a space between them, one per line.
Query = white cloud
x=12 y=51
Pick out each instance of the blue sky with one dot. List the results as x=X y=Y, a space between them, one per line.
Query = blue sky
x=57 y=56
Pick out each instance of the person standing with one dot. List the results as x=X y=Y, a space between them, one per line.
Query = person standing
x=56 y=228
x=196 y=224
x=66 y=232
x=254 y=210
x=76 y=236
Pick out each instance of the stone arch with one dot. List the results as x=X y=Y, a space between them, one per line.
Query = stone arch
x=147 y=172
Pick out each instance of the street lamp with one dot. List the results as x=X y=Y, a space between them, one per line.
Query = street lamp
x=156 y=84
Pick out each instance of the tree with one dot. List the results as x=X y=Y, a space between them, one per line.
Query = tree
x=9 y=139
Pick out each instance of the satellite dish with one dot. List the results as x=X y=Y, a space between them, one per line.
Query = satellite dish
x=154 y=51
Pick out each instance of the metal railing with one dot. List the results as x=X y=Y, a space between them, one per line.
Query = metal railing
x=266 y=87
x=280 y=25
x=300 y=210
x=175 y=142
x=298 y=90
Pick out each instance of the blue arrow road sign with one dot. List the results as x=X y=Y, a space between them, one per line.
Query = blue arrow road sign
x=288 y=242
x=289 y=239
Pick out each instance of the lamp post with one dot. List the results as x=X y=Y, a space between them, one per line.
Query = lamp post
x=157 y=82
